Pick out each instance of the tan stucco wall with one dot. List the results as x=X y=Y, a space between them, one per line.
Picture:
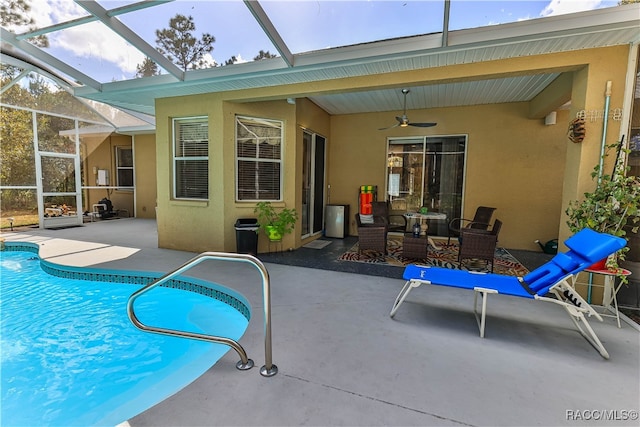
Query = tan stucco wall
x=529 y=171
x=100 y=154
x=589 y=87
x=276 y=110
x=146 y=180
x=209 y=225
x=513 y=163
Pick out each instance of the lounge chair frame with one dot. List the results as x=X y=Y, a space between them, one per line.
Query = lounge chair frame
x=565 y=295
x=551 y=282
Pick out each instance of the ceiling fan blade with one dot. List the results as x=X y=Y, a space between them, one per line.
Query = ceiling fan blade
x=403 y=120
x=422 y=125
x=390 y=127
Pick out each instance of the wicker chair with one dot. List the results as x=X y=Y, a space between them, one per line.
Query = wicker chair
x=479 y=244
x=372 y=236
x=395 y=221
x=481 y=221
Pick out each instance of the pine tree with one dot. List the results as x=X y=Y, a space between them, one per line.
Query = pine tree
x=179 y=45
x=147 y=68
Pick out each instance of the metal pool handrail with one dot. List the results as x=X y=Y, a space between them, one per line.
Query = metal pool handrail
x=269 y=369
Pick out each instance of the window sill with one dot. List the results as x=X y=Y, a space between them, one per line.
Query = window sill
x=189 y=203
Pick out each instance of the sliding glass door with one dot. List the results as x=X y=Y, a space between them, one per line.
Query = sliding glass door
x=313 y=165
x=427 y=172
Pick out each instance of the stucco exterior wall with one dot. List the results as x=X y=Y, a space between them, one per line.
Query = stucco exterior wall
x=513 y=163
x=145 y=175
x=275 y=110
x=527 y=170
x=100 y=154
x=209 y=225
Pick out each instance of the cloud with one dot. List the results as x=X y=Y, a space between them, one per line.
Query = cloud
x=240 y=59
x=96 y=42
x=561 y=7
x=92 y=41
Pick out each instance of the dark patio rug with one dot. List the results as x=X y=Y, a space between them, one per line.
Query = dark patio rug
x=446 y=256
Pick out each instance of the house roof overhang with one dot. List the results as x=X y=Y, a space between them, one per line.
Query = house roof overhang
x=290 y=74
x=585 y=30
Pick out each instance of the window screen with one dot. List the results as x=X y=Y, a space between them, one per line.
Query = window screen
x=124 y=166
x=258 y=159
x=191 y=158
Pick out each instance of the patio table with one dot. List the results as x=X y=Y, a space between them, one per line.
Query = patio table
x=422 y=219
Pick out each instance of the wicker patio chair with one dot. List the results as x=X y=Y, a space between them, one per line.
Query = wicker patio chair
x=479 y=244
x=372 y=236
x=481 y=221
x=395 y=221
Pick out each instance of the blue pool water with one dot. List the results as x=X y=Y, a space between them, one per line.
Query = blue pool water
x=70 y=356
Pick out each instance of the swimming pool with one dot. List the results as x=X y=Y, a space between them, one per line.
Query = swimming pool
x=70 y=356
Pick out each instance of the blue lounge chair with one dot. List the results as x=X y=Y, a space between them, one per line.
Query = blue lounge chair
x=555 y=278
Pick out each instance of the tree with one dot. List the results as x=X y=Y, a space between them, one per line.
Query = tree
x=15 y=13
x=181 y=47
x=148 y=68
x=264 y=55
x=231 y=61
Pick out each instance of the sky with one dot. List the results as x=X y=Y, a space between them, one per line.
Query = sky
x=304 y=25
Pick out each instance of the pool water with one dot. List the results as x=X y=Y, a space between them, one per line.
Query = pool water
x=70 y=356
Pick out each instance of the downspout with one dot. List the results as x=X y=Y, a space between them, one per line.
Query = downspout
x=603 y=145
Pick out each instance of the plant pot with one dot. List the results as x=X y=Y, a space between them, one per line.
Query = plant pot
x=600 y=265
x=273 y=234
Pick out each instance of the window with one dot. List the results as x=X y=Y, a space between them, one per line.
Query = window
x=191 y=158
x=429 y=172
x=258 y=159
x=124 y=167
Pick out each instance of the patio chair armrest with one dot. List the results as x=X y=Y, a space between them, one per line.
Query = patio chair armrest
x=456 y=223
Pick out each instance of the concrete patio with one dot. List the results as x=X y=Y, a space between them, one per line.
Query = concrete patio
x=343 y=361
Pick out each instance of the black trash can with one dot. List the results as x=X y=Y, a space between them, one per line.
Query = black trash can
x=247 y=236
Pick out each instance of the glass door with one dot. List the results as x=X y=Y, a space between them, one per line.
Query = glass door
x=427 y=172
x=313 y=182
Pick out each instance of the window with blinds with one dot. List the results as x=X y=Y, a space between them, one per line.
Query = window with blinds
x=258 y=159
x=191 y=158
x=124 y=168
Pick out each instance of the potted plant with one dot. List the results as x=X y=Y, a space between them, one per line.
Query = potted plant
x=613 y=207
x=275 y=224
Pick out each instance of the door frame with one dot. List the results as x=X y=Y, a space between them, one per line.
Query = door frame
x=314 y=198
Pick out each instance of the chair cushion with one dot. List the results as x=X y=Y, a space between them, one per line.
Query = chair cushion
x=594 y=246
x=565 y=262
x=366 y=219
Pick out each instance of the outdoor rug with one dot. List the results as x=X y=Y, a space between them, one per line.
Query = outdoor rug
x=447 y=257
x=317 y=244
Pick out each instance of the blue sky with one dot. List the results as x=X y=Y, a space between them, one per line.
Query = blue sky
x=304 y=25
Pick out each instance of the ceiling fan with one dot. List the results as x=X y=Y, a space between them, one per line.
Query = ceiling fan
x=403 y=121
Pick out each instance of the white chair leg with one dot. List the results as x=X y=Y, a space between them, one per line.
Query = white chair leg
x=483 y=315
x=576 y=307
x=590 y=334
x=403 y=294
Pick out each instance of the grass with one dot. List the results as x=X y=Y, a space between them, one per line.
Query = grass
x=20 y=218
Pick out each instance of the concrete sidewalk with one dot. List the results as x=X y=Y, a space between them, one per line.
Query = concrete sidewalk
x=343 y=361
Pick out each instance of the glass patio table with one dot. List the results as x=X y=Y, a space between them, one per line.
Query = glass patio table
x=422 y=220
